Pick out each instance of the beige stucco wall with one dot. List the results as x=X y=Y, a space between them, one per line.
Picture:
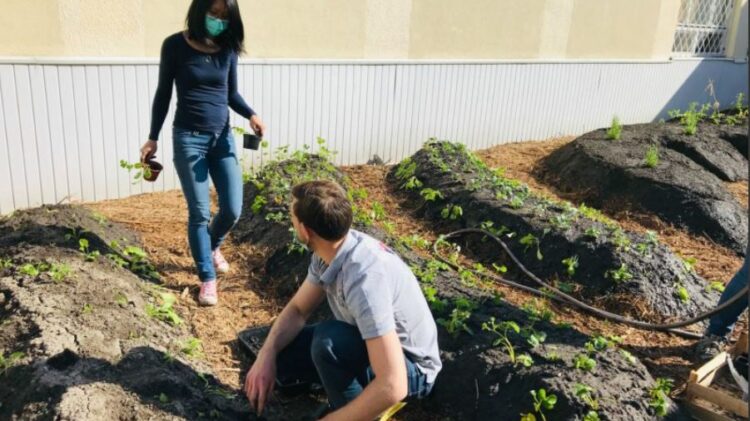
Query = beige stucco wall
x=418 y=29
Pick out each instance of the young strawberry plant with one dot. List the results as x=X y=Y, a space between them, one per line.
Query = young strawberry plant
x=659 y=396
x=9 y=361
x=165 y=312
x=571 y=264
x=530 y=240
x=83 y=247
x=141 y=171
x=652 y=157
x=501 y=330
x=458 y=318
x=452 y=212
x=586 y=395
x=613 y=133
x=620 y=275
x=431 y=195
x=542 y=402
x=584 y=362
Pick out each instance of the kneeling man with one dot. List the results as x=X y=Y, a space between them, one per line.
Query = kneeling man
x=382 y=346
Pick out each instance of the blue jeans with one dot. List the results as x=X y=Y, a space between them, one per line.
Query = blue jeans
x=334 y=354
x=722 y=323
x=196 y=156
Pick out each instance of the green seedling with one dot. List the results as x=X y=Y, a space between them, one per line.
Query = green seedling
x=192 y=348
x=499 y=268
x=121 y=299
x=537 y=312
x=389 y=227
x=659 y=396
x=530 y=240
x=571 y=264
x=101 y=219
x=276 y=217
x=412 y=184
x=501 y=330
x=593 y=232
x=164 y=399
x=620 y=275
x=458 y=318
x=9 y=361
x=83 y=246
x=715 y=286
x=630 y=358
x=690 y=118
x=543 y=402
x=141 y=171
x=533 y=337
x=415 y=241
x=139 y=263
x=430 y=294
x=431 y=195
x=682 y=293
x=689 y=263
x=586 y=394
x=591 y=416
x=598 y=343
x=378 y=211
x=613 y=133
x=584 y=362
x=452 y=212
x=87 y=309
x=258 y=204
x=59 y=272
x=620 y=239
x=6 y=264
x=406 y=169
x=165 y=312
x=525 y=360
x=652 y=157
x=29 y=270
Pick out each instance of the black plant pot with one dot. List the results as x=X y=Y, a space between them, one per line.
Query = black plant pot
x=251 y=141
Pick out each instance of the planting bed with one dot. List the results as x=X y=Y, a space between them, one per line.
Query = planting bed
x=683 y=186
x=479 y=380
x=76 y=337
x=624 y=270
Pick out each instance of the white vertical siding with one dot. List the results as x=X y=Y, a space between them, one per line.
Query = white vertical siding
x=64 y=127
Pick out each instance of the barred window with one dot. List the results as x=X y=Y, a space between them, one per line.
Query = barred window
x=702 y=28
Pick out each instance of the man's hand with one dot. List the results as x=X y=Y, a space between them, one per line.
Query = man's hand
x=148 y=150
x=260 y=381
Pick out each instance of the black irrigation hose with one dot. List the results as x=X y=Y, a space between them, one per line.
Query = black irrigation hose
x=563 y=297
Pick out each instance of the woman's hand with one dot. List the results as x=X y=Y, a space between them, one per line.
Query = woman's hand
x=257 y=125
x=148 y=150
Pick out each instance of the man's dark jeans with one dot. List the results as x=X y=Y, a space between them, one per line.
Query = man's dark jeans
x=334 y=354
x=721 y=324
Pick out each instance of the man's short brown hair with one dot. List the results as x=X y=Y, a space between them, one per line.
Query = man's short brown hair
x=323 y=207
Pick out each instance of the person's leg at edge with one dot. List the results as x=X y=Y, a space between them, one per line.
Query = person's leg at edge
x=340 y=357
x=192 y=169
x=721 y=324
x=223 y=165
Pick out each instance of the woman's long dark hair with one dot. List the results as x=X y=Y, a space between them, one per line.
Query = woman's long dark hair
x=233 y=37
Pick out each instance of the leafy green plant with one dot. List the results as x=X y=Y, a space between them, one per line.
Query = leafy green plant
x=591 y=416
x=584 y=362
x=530 y=240
x=533 y=337
x=458 y=317
x=141 y=171
x=715 y=286
x=83 y=246
x=501 y=330
x=682 y=293
x=9 y=361
x=29 y=269
x=689 y=263
x=586 y=394
x=452 y=212
x=430 y=294
x=593 y=232
x=537 y=311
x=121 y=299
x=258 y=202
x=378 y=211
x=406 y=169
x=652 y=156
x=431 y=195
x=412 y=183
x=690 y=118
x=543 y=402
x=571 y=264
x=87 y=309
x=415 y=241
x=630 y=358
x=525 y=360
x=192 y=348
x=598 y=343
x=165 y=312
x=613 y=133
x=659 y=395
x=620 y=275
x=59 y=271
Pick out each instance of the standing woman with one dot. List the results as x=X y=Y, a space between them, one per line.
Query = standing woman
x=202 y=63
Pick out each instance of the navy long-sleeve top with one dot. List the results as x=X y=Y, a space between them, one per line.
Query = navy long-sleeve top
x=206 y=85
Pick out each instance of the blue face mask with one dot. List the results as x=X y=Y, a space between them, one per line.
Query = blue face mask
x=215 y=26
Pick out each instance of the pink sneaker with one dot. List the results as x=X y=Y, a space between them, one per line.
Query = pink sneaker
x=220 y=263
x=208 y=296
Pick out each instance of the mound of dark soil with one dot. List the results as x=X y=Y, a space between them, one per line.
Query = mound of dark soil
x=684 y=188
x=629 y=272
x=83 y=337
x=478 y=381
